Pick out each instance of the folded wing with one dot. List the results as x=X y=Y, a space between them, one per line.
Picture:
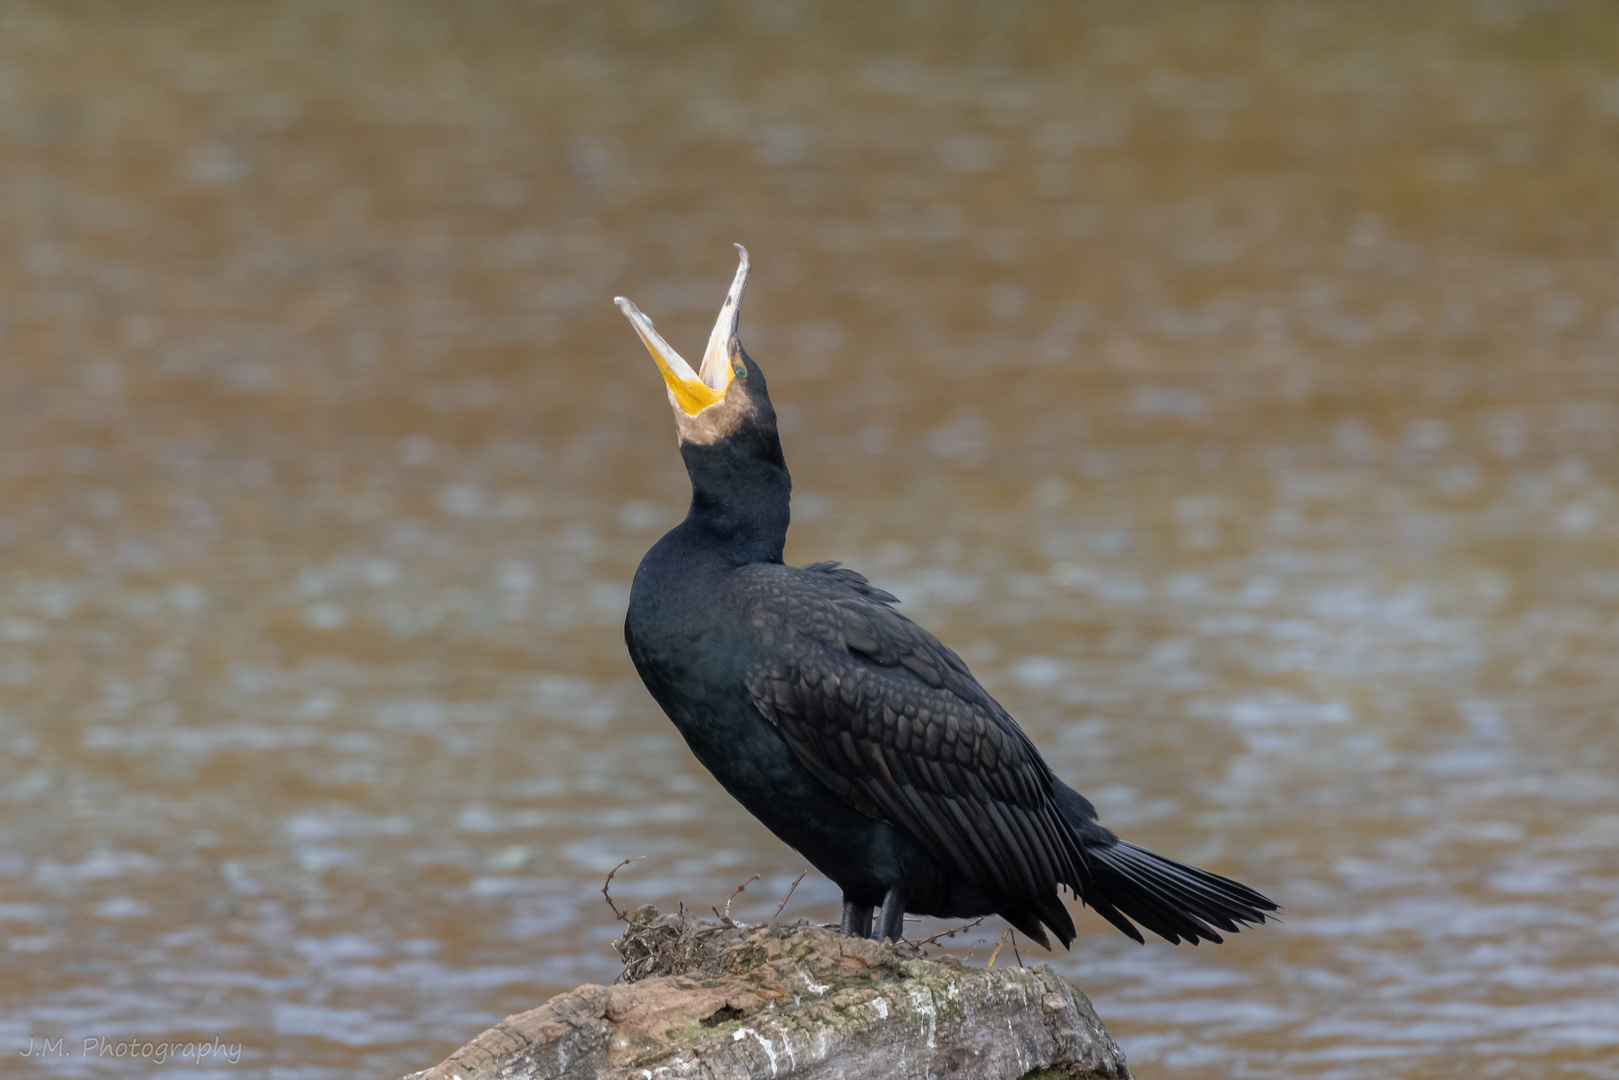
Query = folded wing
x=891 y=720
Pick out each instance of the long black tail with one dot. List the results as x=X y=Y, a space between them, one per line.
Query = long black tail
x=1175 y=901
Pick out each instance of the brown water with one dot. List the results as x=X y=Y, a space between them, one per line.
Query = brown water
x=1236 y=386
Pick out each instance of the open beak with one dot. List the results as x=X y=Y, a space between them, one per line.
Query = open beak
x=695 y=391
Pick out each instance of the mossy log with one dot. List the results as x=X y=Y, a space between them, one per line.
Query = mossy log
x=716 y=1002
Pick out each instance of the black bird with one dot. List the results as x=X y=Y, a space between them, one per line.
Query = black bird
x=847 y=729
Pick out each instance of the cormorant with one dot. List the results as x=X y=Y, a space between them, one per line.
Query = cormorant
x=847 y=729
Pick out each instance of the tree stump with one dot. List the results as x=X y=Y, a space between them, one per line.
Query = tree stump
x=717 y=1002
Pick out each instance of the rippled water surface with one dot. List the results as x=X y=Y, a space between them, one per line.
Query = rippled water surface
x=1235 y=386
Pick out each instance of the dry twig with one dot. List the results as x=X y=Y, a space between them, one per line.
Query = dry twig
x=790 y=889
x=941 y=935
x=1011 y=934
x=623 y=916
x=997 y=951
x=726 y=918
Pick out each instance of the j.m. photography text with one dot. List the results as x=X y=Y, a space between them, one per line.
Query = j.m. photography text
x=158 y=1053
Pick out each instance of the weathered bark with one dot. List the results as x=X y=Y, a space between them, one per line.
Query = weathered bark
x=736 y=1003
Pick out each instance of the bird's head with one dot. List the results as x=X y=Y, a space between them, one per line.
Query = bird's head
x=725 y=398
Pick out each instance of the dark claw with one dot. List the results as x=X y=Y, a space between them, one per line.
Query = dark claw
x=856 y=919
x=891 y=916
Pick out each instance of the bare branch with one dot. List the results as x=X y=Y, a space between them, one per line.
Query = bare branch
x=1014 y=949
x=997 y=951
x=738 y=892
x=941 y=935
x=724 y=917
x=790 y=890
x=622 y=916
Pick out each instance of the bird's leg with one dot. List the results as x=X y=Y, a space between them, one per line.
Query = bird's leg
x=891 y=916
x=856 y=919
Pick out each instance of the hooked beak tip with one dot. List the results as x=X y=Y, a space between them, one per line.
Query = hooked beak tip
x=715 y=369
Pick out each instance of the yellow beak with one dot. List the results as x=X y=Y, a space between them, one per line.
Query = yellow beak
x=694 y=391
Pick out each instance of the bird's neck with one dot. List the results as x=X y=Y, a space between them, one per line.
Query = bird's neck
x=739 y=501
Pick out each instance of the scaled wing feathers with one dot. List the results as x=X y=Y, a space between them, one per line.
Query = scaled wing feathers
x=892 y=720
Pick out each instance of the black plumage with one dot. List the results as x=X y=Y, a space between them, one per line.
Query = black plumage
x=850 y=731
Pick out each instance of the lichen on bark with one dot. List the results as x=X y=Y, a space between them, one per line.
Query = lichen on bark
x=700 y=999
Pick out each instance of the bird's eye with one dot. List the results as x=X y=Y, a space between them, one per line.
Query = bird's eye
x=739 y=371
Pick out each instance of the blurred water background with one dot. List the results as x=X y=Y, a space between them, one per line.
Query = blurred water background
x=1235 y=385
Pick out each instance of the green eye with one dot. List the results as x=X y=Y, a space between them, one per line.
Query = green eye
x=739 y=371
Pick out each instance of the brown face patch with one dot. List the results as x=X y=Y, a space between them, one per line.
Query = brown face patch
x=720 y=419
